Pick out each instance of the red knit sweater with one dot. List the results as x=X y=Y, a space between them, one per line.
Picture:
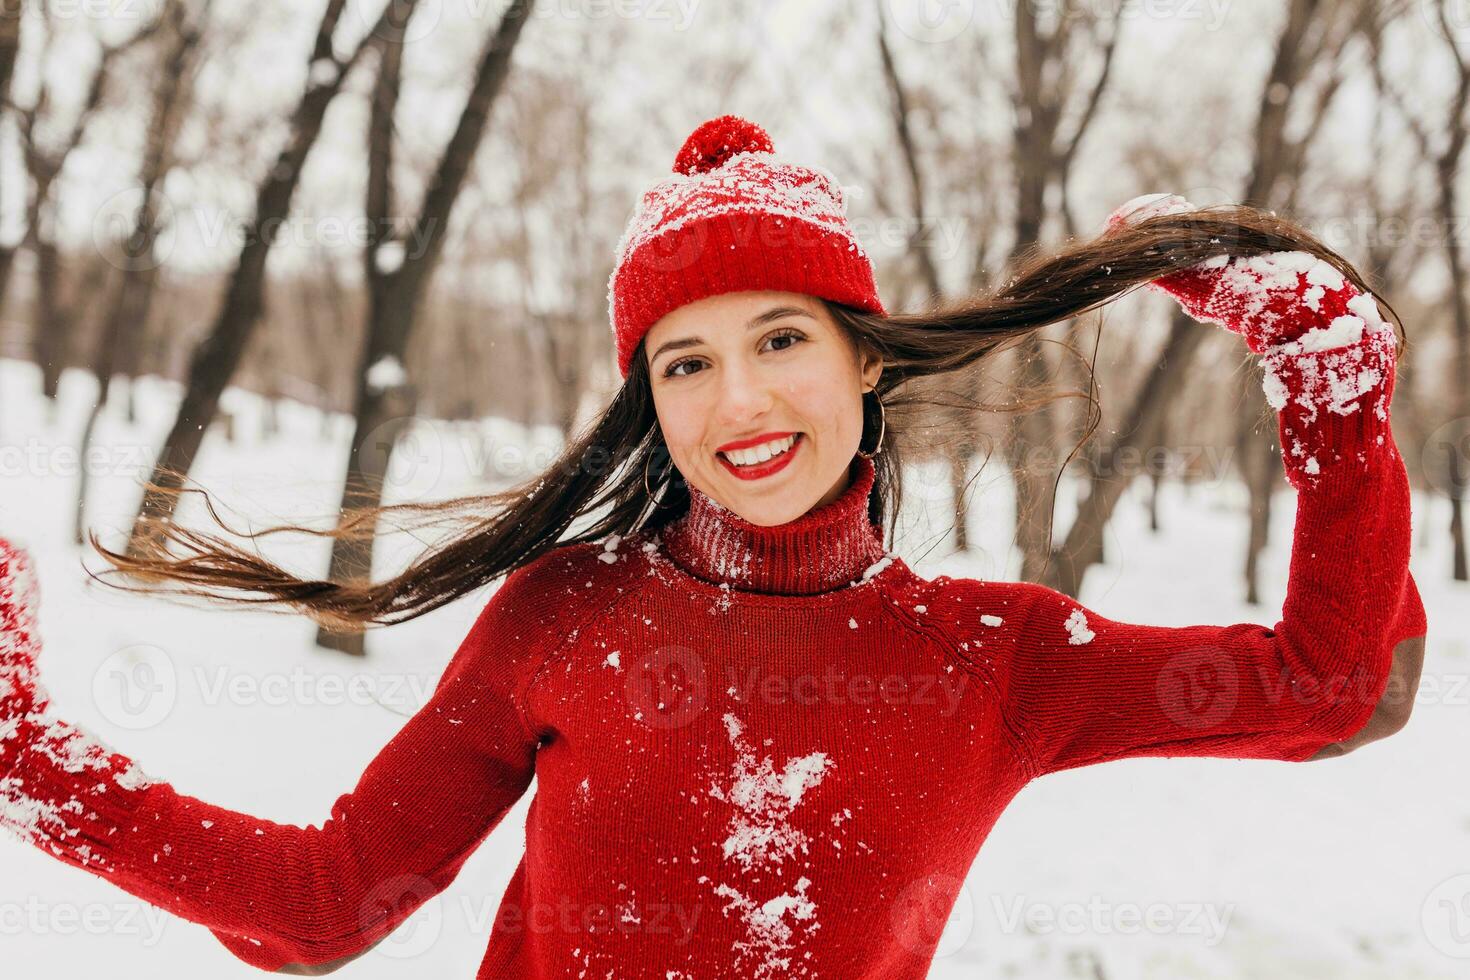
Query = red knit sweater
x=769 y=751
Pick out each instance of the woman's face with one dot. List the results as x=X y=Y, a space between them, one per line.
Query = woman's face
x=751 y=369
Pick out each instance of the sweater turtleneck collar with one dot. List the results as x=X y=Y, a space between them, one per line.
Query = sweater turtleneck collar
x=825 y=548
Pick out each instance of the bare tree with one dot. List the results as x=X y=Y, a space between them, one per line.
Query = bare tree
x=132 y=292
x=12 y=13
x=216 y=357
x=385 y=402
x=55 y=314
x=1045 y=86
x=1312 y=30
x=1446 y=159
x=958 y=452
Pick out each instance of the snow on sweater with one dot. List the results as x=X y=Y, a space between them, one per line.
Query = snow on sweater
x=766 y=751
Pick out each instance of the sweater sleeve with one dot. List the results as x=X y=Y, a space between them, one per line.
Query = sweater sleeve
x=277 y=894
x=1082 y=688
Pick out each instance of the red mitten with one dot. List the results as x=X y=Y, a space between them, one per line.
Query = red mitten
x=1192 y=287
x=1323 y=343
x=64 y=790
x=20 y=690
x=1268 y=299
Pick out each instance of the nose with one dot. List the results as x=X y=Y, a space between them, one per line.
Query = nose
x=744 y=395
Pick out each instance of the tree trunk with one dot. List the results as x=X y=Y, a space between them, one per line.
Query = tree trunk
x=381 y=412
x=218 y=354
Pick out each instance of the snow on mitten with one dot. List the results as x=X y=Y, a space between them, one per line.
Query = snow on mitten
x=1193 y=286
x=1324 y=344
x=20 y=689
x=1268 y=299
x=66 y=791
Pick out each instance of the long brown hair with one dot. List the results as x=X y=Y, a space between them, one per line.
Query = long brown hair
x=601 y=472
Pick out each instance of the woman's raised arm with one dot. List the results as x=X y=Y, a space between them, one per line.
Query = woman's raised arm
x=280 y=897
x=1080 y=688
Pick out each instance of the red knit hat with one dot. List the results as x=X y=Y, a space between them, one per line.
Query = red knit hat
x=734 y=217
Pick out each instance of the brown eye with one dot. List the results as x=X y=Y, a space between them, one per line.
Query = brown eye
x=794 y=336
x=669 y=371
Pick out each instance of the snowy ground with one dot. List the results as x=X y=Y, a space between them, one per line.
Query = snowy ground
x=1346 y=869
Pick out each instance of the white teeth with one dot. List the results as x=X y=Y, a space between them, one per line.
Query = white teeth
x=761 y=453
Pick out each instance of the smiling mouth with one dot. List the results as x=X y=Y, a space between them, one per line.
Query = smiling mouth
x=749 y=459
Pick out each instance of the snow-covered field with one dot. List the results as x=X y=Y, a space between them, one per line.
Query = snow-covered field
x=1345 y=869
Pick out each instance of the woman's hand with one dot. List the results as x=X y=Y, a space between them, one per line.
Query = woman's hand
x=1192 y=287
x=20 y=690
x=1268 y=299
x=1327 y=354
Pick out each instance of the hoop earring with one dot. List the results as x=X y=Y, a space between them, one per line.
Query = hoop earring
x=882 y=428
x=645 y=478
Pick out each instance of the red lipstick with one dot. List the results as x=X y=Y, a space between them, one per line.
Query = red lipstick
x=760 y=470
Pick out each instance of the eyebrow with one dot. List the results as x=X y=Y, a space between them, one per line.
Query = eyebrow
x=774 y=313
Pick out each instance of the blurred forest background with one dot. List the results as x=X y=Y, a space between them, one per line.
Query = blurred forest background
x=409 y=211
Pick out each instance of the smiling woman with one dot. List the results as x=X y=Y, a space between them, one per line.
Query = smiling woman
x=638 y=668
x=759 y=396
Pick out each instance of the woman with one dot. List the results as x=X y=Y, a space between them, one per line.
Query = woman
x=763 y=745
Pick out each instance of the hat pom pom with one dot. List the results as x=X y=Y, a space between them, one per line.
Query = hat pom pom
x=718 y=140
